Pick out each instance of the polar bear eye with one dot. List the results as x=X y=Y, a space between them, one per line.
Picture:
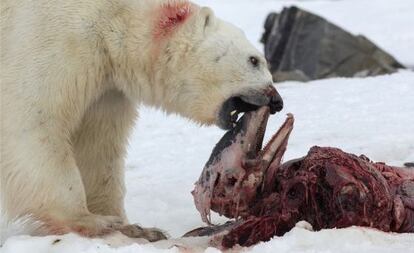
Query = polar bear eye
x=254 y=61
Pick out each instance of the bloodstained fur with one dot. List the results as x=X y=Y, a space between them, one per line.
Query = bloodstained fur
x=169 y=16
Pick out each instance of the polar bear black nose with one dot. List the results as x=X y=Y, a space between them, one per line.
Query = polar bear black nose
x=276 y=101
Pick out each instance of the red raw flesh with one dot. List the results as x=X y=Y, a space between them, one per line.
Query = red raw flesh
x=330 y=189
x=327 y=188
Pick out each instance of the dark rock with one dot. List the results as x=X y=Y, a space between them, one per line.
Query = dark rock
x=302 y=46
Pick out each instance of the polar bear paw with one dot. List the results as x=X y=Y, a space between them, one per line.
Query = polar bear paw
x=150 y=234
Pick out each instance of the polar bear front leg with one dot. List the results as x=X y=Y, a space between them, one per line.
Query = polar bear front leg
x=100 y=147
x=47 y=184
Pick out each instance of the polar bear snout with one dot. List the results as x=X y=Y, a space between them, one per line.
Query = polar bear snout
x=247 y=101
x=276 y=101
x=269 y=96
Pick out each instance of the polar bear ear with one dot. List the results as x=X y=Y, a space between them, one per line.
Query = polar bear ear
x=208 y=16
x=172 y=15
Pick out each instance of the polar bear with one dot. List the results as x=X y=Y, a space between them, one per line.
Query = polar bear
x=72 y=75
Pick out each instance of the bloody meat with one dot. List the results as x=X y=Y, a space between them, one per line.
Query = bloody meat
x=328 y=188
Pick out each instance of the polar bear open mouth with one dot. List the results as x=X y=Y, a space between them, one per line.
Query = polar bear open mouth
x=231 y=109
x=248 y=101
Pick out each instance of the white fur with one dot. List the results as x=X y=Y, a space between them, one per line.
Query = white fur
x=72 y=75
x=20 y=226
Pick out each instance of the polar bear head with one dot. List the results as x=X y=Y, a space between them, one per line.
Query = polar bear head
x=209 y=71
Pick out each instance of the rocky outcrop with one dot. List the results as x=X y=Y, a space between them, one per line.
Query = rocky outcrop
x=302 y=46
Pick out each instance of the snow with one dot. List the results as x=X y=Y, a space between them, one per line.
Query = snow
x=371 y=116
x=352 y=239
